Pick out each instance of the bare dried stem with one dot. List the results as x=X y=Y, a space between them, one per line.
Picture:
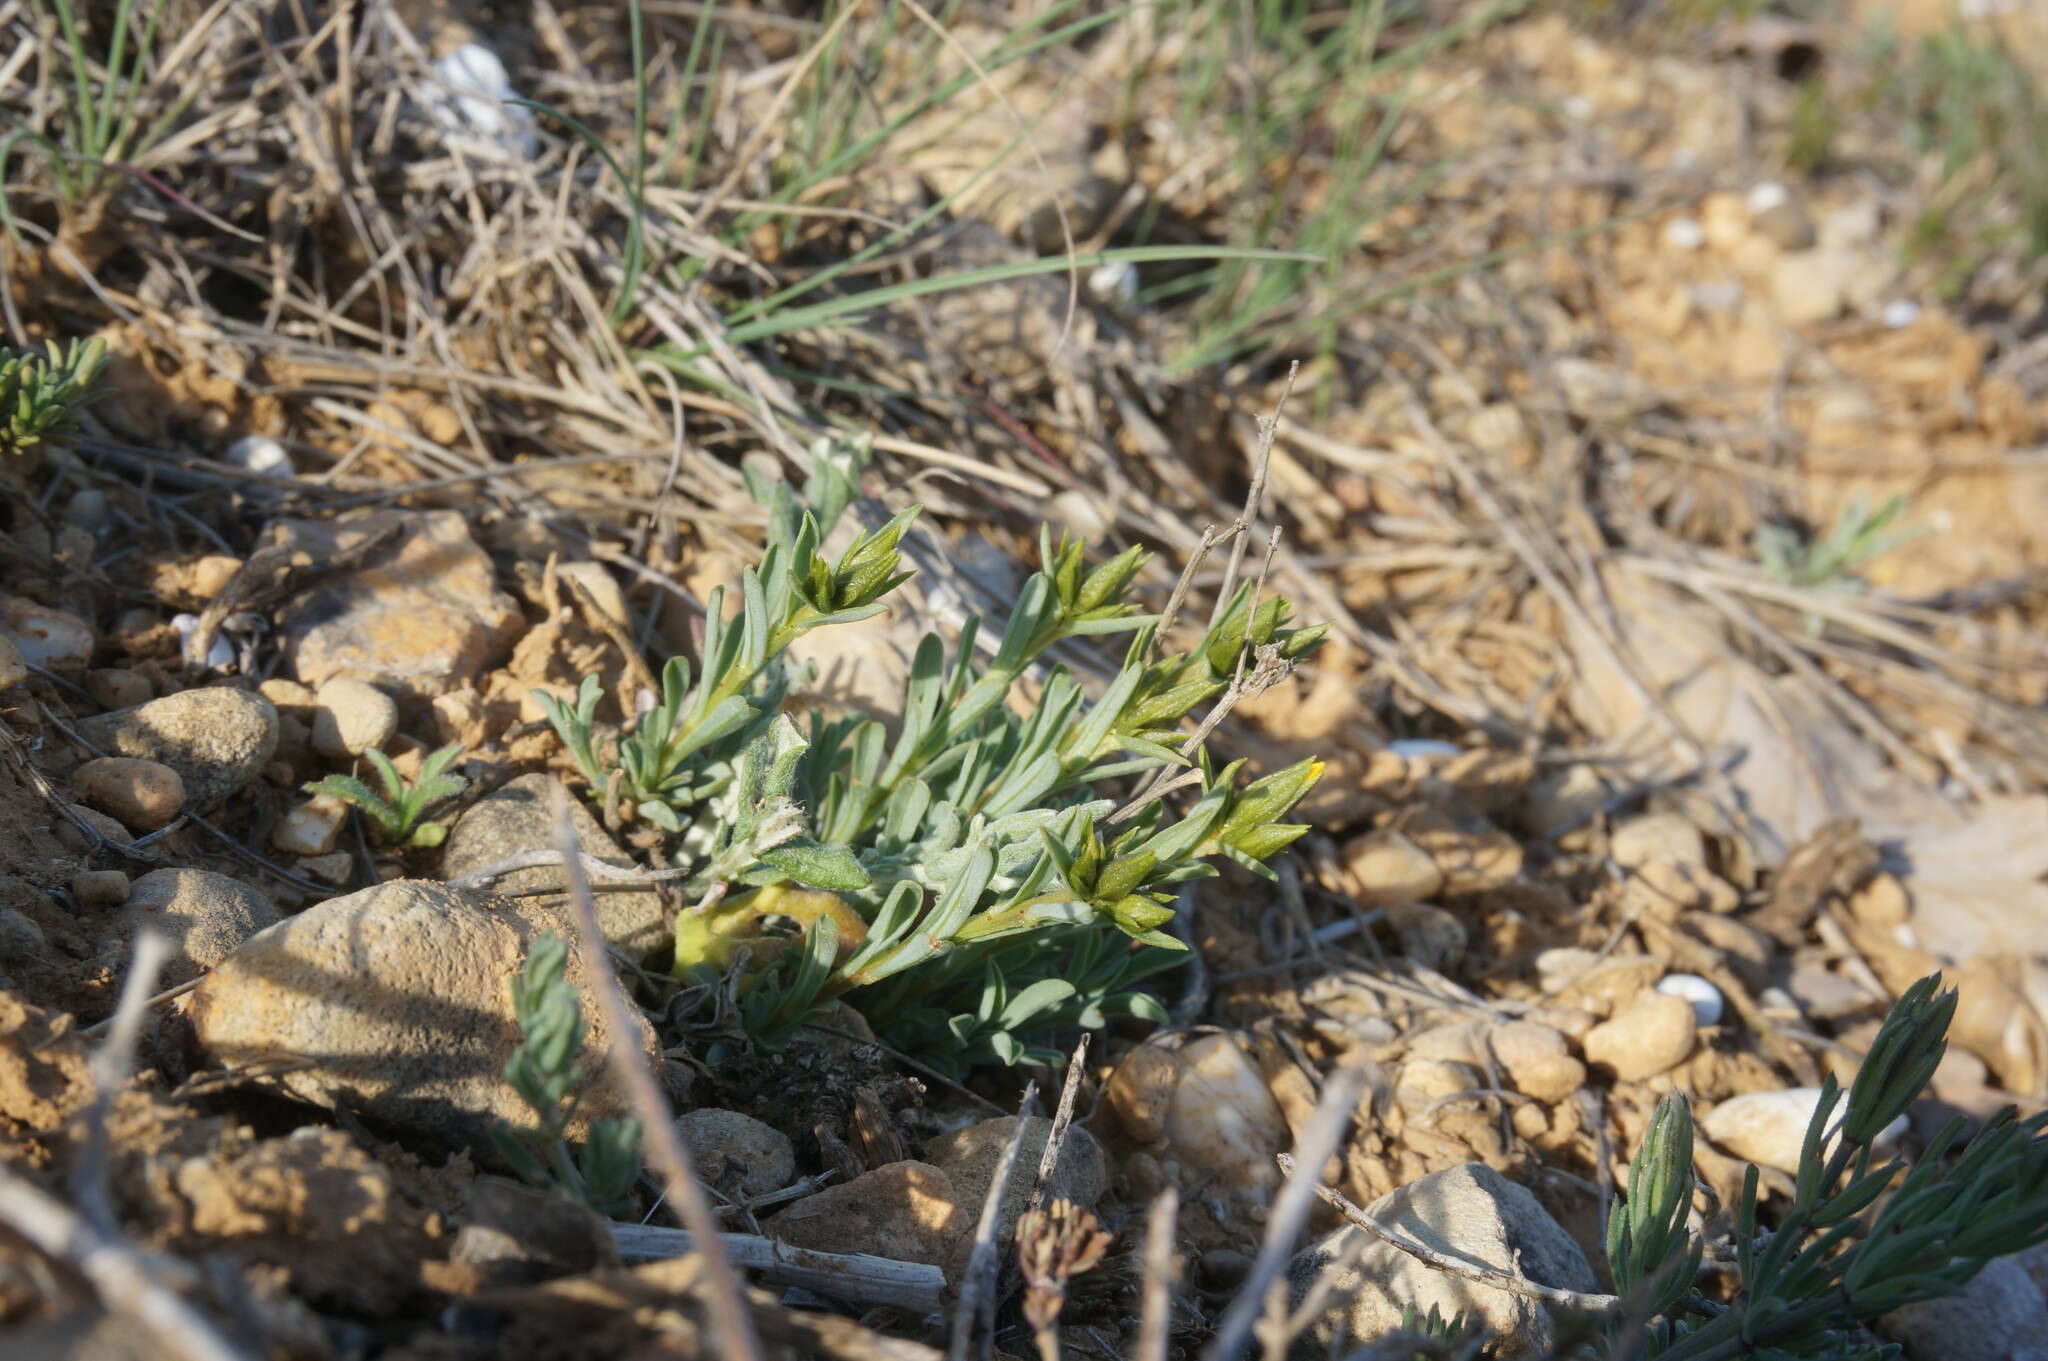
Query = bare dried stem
x=725 y=1298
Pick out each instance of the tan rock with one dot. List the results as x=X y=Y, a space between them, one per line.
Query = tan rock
x=969 y=1156
x=1769 y=1128
x=100 y=888
x=736 y=1153
x=1537 y=1060
x=144 y=795
x=351 y=717
x=1564 y=800
x=113 y=687
x=55 y=640
x=335 y=867
x=1222 y=1119
x=206 y=577
x=217 y=738
x=1139 y=1093
x=110 y=828
x=401 y=994
x=1469 y=1212
x=421 y=617
x=1745 y=950
x=1882 y=903
x=13 y=671
x=1384 y=868
x=1422 y=1083
x=312 y=828
x=515 y=818
x=1655 y=837
x=205 y=915
x=1472 y=859
x=289 y=697
x=1654 y=1035
x=907 y=1210
x=1429 y=935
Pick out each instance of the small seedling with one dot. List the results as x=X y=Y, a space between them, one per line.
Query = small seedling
x=544 y=1071
x=1831 y=563
x=41 y=395
x=396 y=812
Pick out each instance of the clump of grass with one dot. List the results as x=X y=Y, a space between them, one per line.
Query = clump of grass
x=106 y=117
x=1810 y=139
x=42 y=394
x=1975 y=108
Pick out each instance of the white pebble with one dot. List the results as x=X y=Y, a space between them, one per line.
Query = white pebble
x=472 y=98
x=1682 y=233
x=1719 y=295
x=1901 y=313
x=1417 y=748
x=1766 y=196
x=1115 y=282
x=1769 y=1128
x=218 y=656
x=1704 y=996
x=260 y=454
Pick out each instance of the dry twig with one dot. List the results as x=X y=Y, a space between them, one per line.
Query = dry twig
x=725 y=1298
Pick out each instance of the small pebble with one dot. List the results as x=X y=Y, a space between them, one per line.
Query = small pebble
x=207 y=577
x=476 y=99
x=1704 y=996
x=260 y=454
x=1766 y=196
x=88 y=510
x=288 y=696
x=107 y=827
x=55 y=640
x=1421 y=748
x=1654 y=1035
x=312 y=828
x=1769 y=1128
x=1116 y=282
x=114 y=687
x=100 y=888
x=1683 y=233
x=333 y=868
x=351 y=717
x=144 y=795
x=221 y=654
x=18 y=935
x=1900 y=313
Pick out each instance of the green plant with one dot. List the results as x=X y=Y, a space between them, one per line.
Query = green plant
x=544 y=1071
x=103 y=114
x=1860 y=1237
x=1810 y=139
x=395 y=813
x=967 y=1008
x=849 y=855
x=1860 y=535
x=1434 y=1327
x=41 y=395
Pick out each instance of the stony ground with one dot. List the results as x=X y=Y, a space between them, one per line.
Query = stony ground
x=1613 y=808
